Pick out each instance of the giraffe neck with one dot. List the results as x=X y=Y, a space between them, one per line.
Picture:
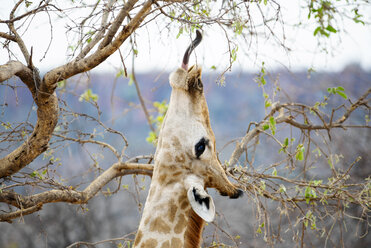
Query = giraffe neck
x=168 y=219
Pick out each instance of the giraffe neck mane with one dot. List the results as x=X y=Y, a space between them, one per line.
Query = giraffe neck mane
x=193 y=234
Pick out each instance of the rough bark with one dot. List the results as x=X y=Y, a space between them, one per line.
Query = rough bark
x=47 y=118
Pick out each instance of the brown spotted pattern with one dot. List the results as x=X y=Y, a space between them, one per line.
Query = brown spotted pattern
x=168 y=220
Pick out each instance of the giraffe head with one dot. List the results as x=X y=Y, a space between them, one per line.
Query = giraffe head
x=186 y=145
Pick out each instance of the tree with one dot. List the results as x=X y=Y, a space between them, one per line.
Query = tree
x=303 y=136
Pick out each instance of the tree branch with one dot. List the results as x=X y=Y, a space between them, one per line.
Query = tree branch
x=97 y=37
x=240 y=146
x=359 y=102
x=68 y=194
x=141 y=100
x=8 y=36
x=16 y=214
x=124 y=12
x=47 y=117
x=18 y=39
x=13 y=68
x=34 y=11
x=68 y=70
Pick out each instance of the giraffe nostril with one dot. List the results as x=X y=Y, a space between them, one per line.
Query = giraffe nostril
x=238 y=193
x=223 y=194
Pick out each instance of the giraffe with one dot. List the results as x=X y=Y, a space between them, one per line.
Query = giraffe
x=186 y=163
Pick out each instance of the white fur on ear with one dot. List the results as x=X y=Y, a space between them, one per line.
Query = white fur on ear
x=201 y=202
x=178 y=79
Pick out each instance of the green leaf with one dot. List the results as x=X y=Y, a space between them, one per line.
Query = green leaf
x=6 y=125
x=151 y=138
x=272 y=121
x=234 y=54
x=120 y=73
x=274 y=172
x=329 y=161
x=262 y=185
x=300 y=152
x=282 y=188
x=265 y=127
x=88 y=95
x=61 y=84
x=317 y=30
x=342 y=94
x=180 y=32
x=357 y=17
x=28 y=3
x=131 y=80
x=331 y=29
x=213 y=67
x=272 y=125
x=284 y=146
x=286 y=142
x=308 y=194
x=267 y=103
x=318 y=151
x=238 y=27
x=262 y=80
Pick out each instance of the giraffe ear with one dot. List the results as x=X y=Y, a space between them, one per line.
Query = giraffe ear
x=201 y=202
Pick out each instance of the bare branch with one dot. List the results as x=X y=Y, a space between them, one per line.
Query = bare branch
x=124 y=12
x=75 y=67
x=354 y=106
x=68 y=194
x=99 y=35
x=8 y=36
x=31 y=12
x=141 y=100
x=240 y=145
x=79 y=243
x=16 y=214
x=18 y=39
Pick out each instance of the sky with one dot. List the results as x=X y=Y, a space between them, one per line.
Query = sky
x=160 y=50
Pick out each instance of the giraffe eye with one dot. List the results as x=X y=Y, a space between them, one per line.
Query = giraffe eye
x=200 y=147
x=199 y=84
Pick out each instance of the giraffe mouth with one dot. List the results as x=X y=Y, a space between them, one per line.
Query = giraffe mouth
x=236 y=194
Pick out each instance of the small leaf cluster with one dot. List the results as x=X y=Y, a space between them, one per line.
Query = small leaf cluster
x=270 y=125
x=88 y=96
x=161 y=109
x=323 y=12
x=337 y=90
